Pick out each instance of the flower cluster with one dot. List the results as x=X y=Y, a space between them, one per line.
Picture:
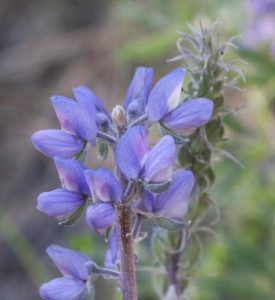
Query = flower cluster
x=145 y=178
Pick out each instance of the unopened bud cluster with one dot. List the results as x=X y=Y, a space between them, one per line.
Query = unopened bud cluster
x=202 y=54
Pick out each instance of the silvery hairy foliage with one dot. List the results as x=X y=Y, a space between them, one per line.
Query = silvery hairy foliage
x=151 y=182
x=203 y=55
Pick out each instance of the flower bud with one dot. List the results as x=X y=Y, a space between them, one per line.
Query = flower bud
x=119 y=116
x=184 y=155
x=199 y=143
x=219 y=103
x=214 y=129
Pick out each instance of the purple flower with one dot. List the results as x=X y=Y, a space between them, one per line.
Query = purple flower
x=88 y=99
x=62 y=203
x=105 y=189
x=189 y=116
x=165 y=95
x=78 y=126
x=103 y=185
x=135 y=159
x=54 y=142
x=100 y=216
x=138 y=92
x=59 y=203
x=164 y=105
x=112 y=254
x=71 y=174
x=75 y=118
x=173 y=203
x=73 y=266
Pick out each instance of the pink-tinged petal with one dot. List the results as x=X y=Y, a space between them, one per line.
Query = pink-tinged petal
x=138 y=91
x=160 y=161
x=103 y=185
x=59 y=203
x=131 y=151
x=70 y=263
x=165 y=95
x=173 y=203
x=71 y=174
x=74 y=118
x=190 y=115
x=100 y=216
x=62 y=289
x=54 y=142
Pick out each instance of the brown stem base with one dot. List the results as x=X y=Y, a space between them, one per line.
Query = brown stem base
x=127 y=258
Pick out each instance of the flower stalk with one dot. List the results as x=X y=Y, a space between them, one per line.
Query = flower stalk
x=126 y=250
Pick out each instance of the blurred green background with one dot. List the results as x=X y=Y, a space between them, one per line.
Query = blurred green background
x=48 y=47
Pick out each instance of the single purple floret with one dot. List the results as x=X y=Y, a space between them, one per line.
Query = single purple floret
x=93 y=104
x=135 y=159
x=55 y=142
x=61 y=203
x=173 y=203
x=138 y=92
x=73 y=266
x=103 y=185
x=164 y=105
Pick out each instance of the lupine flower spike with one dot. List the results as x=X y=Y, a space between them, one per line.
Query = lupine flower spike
x=145 y=183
